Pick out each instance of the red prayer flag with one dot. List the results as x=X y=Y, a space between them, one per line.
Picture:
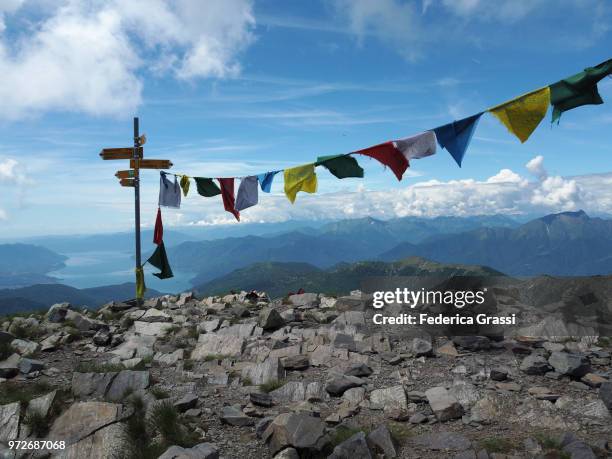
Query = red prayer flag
x=389 y=155
x=158 y=232
x=227 y=193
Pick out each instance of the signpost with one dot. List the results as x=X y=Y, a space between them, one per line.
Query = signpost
x=131 y=178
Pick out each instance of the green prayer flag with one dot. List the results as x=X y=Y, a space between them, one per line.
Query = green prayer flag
x=579 y=89
x=342 y=166
x=140 y=283
x=159 y=259
x=206 y=187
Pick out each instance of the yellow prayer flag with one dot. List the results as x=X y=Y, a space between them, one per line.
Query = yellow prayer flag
x=522 y=115
x=185 y=184
x=140 y=283
x=301 y=178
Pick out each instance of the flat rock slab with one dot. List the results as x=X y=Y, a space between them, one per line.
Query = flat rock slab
x=103 y=444
x=213 y=344
x=201 y=451
x=265 y=372
x=390 y=397
x=9 y=422
x=443 y=441
x=84 y=418
x=444 y=405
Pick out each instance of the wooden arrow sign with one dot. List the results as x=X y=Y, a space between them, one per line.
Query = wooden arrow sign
x=120 y=153
x=152 y=164
x=124 y=174
x=127 y=182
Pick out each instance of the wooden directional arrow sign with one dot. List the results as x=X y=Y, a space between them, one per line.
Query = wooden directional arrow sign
x=152 y=164
x=120 y=153
x=127 y=182
x=124 y=174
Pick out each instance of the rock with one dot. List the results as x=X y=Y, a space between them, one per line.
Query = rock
x=209 y=326
x=472 y=343
x=51 y=342
x=127 y=381
x=262 y=425
x=465 y=393
x=593 y=380
x=417 y=418
x=102 y=338
x=298 y=430
x=358 y=369
x=212 y=344
x=421 y=347
x=296 y=362
x=9 y=368
x=355 y=447
x=6 y=337
x=338 y=385
x=508 y=386
x=155 y=315
x=569 y=364
x=262 y=373
x=82 y=419
x=151 y=328
x=288 y=453
x=440 y=441
x=390 y=397
x=24 y=347
x=381 y=441
x=270 y=319
x=605 y=393
x=57 y=312
x=447 y=349
x=9 y=422
x=106 y=442
x=41 y=405
x=261 y=399
x=444 y=405
x=27 y=366
x=498 y=374
x=579 y=450
x=135 y=346
x=354 y=396
x=186 y=402
x=234 y=416
x=201 y=451
x=304 y=299
x=239 y=330
x=293 y=391
x=94 y=385
x=534 y=365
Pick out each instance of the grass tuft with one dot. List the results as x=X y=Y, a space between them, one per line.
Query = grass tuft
x=159 y=393
x=11 y=392
x=272 y=385
x=95 y=367
x=38 y=422
x=497 y=445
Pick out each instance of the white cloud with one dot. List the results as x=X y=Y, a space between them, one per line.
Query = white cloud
x=91 y=56
x=536 y=167
x=11 y=172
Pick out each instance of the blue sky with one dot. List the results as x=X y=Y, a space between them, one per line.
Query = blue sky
x=235 y=87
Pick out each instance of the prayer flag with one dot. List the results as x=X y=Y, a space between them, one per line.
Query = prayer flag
x=265 y=180
x=455 y=137
x=387 y=154
x=418 y=146
x=301 y=178
x=169 y=193
x=227 y=193
x=522 y=115
x=185 y=185
x=247 y=193
x=159 y=259
x=140 y=283
x=158 y=232
x=579 y=89
x=341 y=166
x=206 y=187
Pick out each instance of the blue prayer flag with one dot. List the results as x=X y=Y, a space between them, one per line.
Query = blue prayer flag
x=455 y=137
x=265 y=180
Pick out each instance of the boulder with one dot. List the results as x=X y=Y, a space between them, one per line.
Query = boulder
x=84 y=418
x=358 y=369
x=94 y=385
x=421 y=347
x=304 y=299
x=27 y=366
x=212 y=344
x=261 y=373
x=24 y=347
x=155 y=315
x=569 y=364
x=296 y=362
x=9 y=422
x=201 y=451
x=444 y=405
x=339 y=384
x=390 y=397
x=605 y=393
x=5 y=337
x=535 y=365
x=355 y=447
x=51 y=342
x=9 y=368
x=152 y=328
x=261 y=399
x=102 y=337
x=107 y=442
x=127 y=381
x=186 y=402
x=472 y=343
x=579 y=450
x=298 y=430
x=293 y=391
x=381 y=441
x=270 y=319
x=57 y=312
x=234 y=416
x=171 y=358
x=41 y=405
x=135 y=346
x=288 y=453
x=443 y=441
x=354 y=396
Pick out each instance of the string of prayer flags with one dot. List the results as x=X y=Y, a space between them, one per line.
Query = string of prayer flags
x=418 y=146
x=455 y=137
x=341 y=166
x=158 y=232
x=578 y=90
x=247 y=195
x=206 y=187
x=301 y=178
x=159 y=259
x=523 y=115
x=387 y=154
x=227 y=193
x=265 y=180
x=185 y=185
x=169 y=193
x=141 y=288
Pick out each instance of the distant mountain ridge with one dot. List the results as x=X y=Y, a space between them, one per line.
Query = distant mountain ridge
x=22 y=259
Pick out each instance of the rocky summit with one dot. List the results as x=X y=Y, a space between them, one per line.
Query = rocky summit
x=305 y=376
